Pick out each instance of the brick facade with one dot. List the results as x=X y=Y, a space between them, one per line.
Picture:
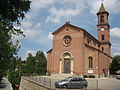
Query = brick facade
x=76 y=51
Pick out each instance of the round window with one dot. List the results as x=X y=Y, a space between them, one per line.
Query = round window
x=67 y=40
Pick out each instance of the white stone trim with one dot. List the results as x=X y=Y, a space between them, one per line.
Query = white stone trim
x=61 y=62
x=60 y=68
x=71 y=61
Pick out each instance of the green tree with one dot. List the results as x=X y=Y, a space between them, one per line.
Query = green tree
x=41 y=64
x=7 y=49
x=35 y=65
x=23 y=69
x=11 y=11
x=115 y=65
x=14 y=78
x=15 y=72
x=30 y=64
x=14 y=62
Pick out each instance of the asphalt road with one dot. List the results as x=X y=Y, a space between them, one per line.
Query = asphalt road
x=5 y=85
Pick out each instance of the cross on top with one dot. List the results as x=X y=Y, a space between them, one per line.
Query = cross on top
x=102 y=1
x=68 y=18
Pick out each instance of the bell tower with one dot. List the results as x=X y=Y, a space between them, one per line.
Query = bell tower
x=103 y=30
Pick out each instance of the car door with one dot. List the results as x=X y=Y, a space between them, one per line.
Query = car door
x=78 y=83
x=81 y=82
x=74 y=83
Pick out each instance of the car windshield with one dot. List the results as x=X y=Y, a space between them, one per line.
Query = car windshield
x=67 y=79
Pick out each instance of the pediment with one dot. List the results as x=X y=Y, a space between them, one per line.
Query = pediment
x=74 y=28
x=67 y=25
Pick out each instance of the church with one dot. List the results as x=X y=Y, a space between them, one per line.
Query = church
x=75 y=51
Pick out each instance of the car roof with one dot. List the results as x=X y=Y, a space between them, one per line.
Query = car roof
x=76 y=77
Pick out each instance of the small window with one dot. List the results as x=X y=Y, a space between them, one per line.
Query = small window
x=101 y=19
x=90 y=62
x=88 y=41
x=80 y=79
x=74 y=79
x=103 y=37
x=77 y=79
x=102 y=48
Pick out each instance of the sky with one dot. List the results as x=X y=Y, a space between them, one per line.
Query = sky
x=46 y=16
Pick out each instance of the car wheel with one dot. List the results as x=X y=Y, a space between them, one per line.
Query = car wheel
x=84 y=86
x=64 y=86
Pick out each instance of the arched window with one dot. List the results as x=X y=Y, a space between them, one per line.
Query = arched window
x=101 y=19
x=90 y=62
x=103 y=37
x=102 y=48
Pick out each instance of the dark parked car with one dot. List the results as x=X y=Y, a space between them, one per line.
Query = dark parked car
x=72 y=82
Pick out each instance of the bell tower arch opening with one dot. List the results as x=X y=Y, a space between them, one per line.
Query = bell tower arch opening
x=101 y=19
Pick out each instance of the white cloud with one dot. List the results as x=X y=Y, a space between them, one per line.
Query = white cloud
x=78 y=5
x=50 y=36
x=115 y=49
x=36 y=36
x=36 y=5
x=115 y=32
x=55 y=19
x=112 y=6
x=116 y=53
x=26 y=24
x=32 y=34
x=17 y=37
x=64 y=12
x=115 y=40
x=38 y=25
x=57 y=14
x=93 y=5
x=45 y=54
x=33 y=52
x=67 y=8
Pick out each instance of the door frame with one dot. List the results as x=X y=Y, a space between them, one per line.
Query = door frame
x=61 y=63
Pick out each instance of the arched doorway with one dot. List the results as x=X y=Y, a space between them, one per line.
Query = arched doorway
x=67 y=63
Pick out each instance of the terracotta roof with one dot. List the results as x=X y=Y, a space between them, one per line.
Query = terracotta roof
x=49 y=51
x=102 y=8
x=60 y=28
